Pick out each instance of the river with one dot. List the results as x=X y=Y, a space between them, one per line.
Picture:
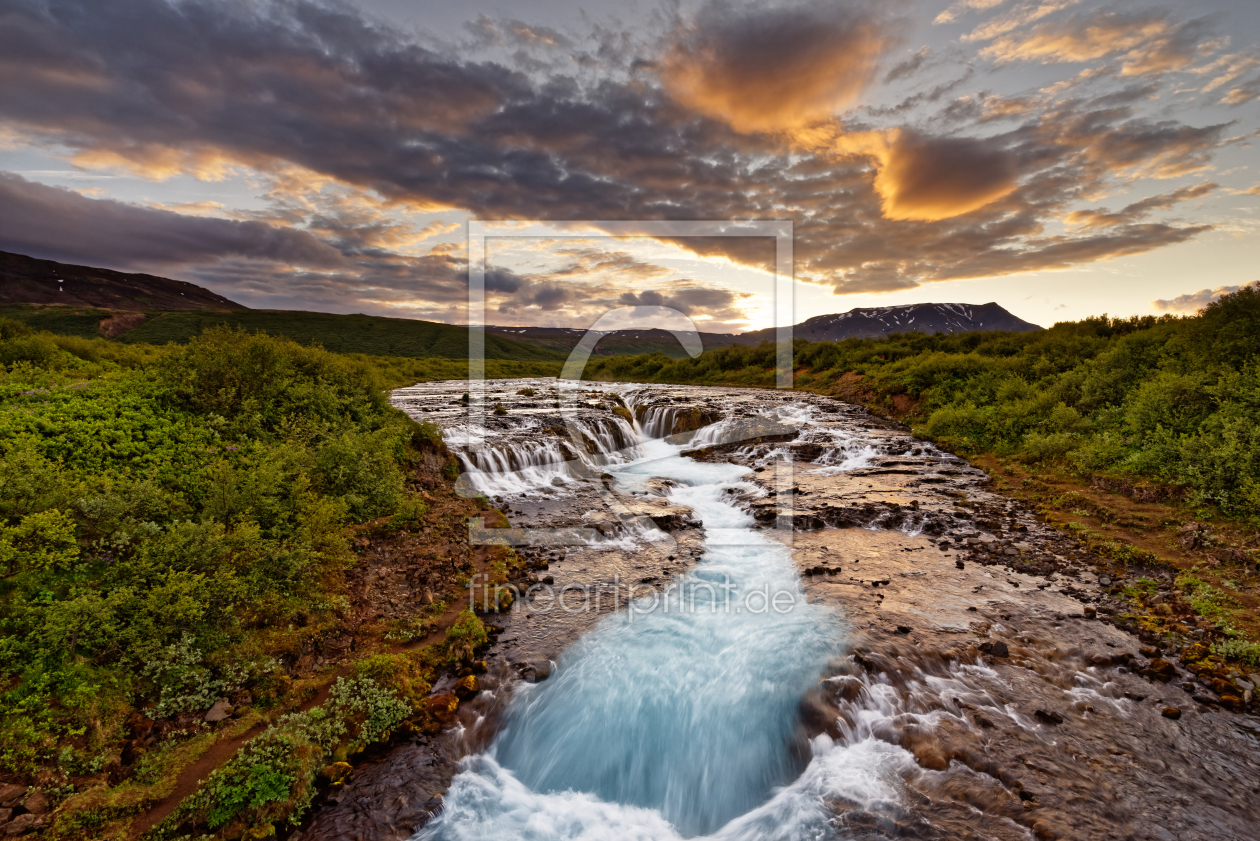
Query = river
x=809 y=625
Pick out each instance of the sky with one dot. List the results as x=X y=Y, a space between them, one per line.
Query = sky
x=1063 y=158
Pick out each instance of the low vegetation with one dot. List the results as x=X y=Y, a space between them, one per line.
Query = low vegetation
x=175 y=530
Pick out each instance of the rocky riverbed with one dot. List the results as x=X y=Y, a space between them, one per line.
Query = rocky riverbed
x=984 y=681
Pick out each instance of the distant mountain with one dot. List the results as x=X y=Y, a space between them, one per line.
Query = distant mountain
x=862 y=323
x=26 y=280
x=873 y=322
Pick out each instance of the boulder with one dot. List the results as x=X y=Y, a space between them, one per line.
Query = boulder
x=996 y=648
x=36 y=803
x=442 y=706
x=20 y=824
x=467 y=687
x=1159 y=669
x=221 y=710
x=540 y=670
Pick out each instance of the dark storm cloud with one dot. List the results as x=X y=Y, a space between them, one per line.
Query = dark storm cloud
x=59 y=224
x=314 y=90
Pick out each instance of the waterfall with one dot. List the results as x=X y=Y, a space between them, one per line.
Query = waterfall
x=548 y=460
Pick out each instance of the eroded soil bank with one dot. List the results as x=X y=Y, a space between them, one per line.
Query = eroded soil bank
x=985 y=685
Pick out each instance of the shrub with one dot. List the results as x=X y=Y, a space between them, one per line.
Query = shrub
x=465 y=636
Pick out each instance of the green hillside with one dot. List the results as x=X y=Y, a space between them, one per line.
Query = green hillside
x=64 y=321
x=365 y=334
x=338 y=333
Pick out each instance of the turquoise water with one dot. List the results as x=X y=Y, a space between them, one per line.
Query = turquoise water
x=673 y=719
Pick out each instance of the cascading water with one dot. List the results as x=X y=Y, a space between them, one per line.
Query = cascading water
x=674 y=718
x=517 y=466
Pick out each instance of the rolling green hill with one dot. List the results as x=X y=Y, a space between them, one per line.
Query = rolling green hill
x=83 y=322
x=366 y=334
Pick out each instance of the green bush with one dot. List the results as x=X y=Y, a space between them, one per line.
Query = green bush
x=161 y=512
x=465 y=636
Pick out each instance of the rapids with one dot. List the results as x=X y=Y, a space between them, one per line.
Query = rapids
x=675 y=717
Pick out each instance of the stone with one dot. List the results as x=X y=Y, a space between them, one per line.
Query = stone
x=1170 y=712
x=221 y=710
x=20 y=824
x=1220 y=687
x=337 y=773
x=959 y=564
x=848 y=688
x=1101 y=660
x=5 y=814
x=36 y=802
x=1090 y=612
x=995 y=649
x=10 y=795
x=1160 y=670
x=1104 y=580
x=467 y=687
x=903 y=629
x=442 y=706
x=1048 y=717
x=541 y=670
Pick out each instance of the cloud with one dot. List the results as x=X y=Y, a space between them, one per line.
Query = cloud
x=767 y=68
x=355 y=125
x=1146 y=42
x=687 y=300
x=961 y=7
x=59 y=224
x=931 y=178
x=1242 y=95
x=1226 y=69
x=909 y=67
x=1090 y=219
x=1195 y=301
